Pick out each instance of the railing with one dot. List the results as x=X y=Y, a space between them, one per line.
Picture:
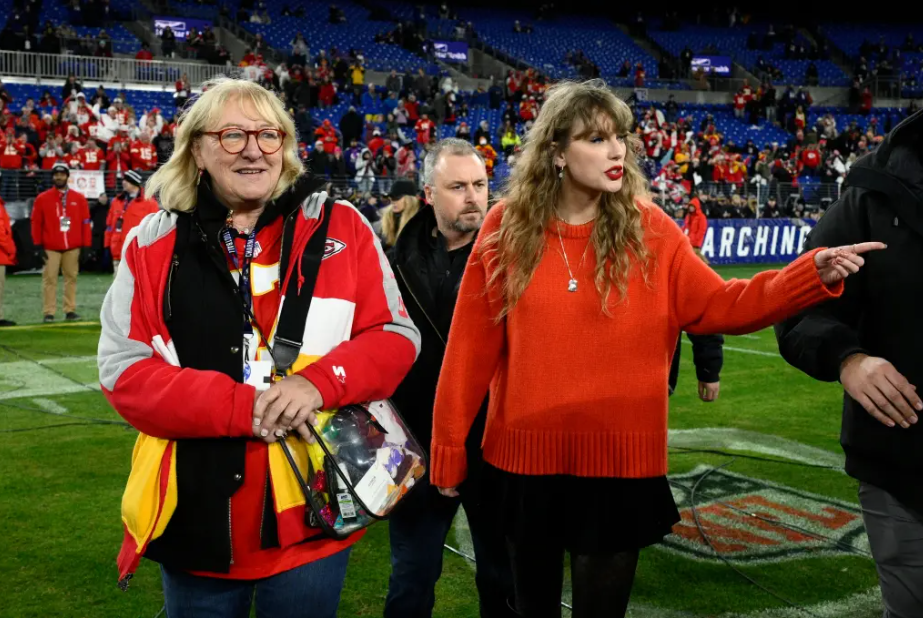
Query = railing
x=122 y=70
x=814 y=196
x=894 y=87
x=19 y=188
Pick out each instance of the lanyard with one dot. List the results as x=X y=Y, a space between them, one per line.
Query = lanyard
x=243 y=266
x=125 y=209
x=63 y=211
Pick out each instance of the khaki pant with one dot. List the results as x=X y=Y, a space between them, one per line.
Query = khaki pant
x=68 y=263
x=2 y=281
x=115 y=267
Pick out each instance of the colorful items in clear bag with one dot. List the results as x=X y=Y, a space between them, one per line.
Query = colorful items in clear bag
x=378 y=456
x=363 y=463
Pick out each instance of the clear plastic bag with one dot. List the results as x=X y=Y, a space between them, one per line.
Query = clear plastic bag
x=366 y=463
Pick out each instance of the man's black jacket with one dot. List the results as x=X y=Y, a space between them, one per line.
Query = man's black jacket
x=879 y=313
x=417 y=393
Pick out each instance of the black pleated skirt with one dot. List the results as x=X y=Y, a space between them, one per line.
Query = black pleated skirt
x=584 y=515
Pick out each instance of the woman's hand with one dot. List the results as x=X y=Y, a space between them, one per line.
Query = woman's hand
x=834 y=265
x=287 y=405
x=449 y=492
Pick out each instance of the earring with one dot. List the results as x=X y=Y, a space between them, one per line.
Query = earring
x=561 y=174
x=199 y=179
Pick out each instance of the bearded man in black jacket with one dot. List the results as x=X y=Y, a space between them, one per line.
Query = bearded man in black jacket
x=870 y=340
x=428 y=260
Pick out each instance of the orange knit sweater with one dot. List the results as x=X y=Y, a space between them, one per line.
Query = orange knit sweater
x=573 y=391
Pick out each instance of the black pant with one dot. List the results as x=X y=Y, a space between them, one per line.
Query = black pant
x=418 y=530
x=601 y=582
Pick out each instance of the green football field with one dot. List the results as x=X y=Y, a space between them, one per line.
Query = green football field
x=762 y=466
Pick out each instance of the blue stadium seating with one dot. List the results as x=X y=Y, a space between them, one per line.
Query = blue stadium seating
x=358 y=33
x=733 y=42
x=140 y=100
x=849 y=37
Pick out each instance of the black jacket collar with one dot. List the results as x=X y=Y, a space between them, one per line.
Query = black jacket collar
x=211 y=213
x=416 y=236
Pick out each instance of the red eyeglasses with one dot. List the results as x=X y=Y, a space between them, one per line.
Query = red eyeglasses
x=234 y=139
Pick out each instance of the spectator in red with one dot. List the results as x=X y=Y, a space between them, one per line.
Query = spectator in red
x=413 y=109
x=865 y=106
x=126 y=212
x=424 y=128
x=143 y=153
x=328 y=93
x=639 y=75
x=47 y=102
x=528 y=109
x=740 y=104
x=29 y=153
x=60 y=228
x=72 y=155
x=84 y=113
x=11 y=157
x=376 y=143
x=488 y=154
x=695 y=225
x=91 y=129
x=51 y=151
x=512 y=86
x=118 y=162
x=328 y=135
x=122 y=136
x=810 y=160
x=91 y=156
x=42 y=126
x=720 y=169
x=7 y=256
x=248 y=59
x=74 y=136
x=737 y=172
x=122 y=113
x=144 y=53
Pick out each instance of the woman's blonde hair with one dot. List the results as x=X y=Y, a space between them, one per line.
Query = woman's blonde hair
x=175 y=183
x=390 y=228
x=534 y=188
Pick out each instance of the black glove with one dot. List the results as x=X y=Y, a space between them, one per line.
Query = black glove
x=41 y=251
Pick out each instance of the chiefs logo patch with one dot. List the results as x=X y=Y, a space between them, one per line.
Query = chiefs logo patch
x=332 y=247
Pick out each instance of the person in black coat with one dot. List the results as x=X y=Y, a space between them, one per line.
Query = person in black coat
x=708 y=358
x=869 y=340
x=428 y=261
x=351 y=125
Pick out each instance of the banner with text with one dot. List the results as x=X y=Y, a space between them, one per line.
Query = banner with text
x=179 y=25
x=755 y=241
x=88 y=182
x=451 y=51
x=719 y=65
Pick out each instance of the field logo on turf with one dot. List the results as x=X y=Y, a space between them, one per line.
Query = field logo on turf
x=726 y=502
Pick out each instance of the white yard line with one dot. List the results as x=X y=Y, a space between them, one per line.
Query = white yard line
x=66 y=360
x=731 y=348
x=27 y=379
x=50 y=406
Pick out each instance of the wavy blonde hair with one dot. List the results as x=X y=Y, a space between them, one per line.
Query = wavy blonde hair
x=390 y=230
x=533 y=191
x=174 y=183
